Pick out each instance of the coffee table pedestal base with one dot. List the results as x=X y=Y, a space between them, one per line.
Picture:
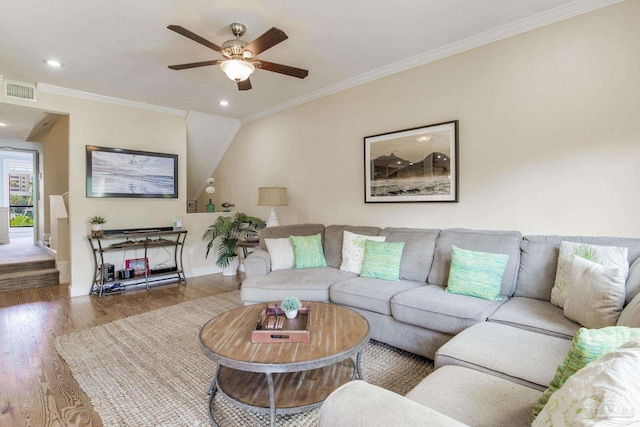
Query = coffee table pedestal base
x=281 y=393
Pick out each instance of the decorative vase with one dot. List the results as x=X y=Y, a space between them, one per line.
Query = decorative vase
x=211 y=207
x=291 y=314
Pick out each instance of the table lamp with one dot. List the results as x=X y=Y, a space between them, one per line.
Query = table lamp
x=272 y=196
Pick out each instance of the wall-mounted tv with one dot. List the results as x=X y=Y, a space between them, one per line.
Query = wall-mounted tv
x=116 y=172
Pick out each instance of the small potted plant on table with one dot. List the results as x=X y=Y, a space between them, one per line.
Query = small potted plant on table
x=97 y=223
x=290 y=306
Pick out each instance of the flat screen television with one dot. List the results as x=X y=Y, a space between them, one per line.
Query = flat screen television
x=116 y=172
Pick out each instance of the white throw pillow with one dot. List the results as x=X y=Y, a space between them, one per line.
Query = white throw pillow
x=605 y=392
x=608 y=256
x=594 y=294
x=281 y=253
x=353 y=250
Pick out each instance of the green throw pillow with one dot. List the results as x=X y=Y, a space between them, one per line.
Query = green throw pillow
x=307 y=251
x=587 y=345
x=382 y=260
x=476 y=274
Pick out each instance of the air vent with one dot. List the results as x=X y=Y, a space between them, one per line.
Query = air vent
x=20 y=90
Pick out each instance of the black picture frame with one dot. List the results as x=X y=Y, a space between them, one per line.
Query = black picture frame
x=412 y=165
x=119 y=172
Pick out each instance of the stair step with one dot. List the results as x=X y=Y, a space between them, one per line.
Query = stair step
x=29 y=279
x=15 y=267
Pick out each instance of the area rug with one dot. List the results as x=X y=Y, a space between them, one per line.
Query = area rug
x=148 y=370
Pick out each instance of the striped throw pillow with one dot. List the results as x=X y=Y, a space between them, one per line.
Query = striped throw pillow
x=307 y=251
x=476 y=274
x=382 y=260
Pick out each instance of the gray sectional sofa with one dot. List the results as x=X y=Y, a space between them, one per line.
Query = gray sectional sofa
x=488 y=354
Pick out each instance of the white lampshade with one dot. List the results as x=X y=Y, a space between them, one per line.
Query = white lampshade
x=237 y=70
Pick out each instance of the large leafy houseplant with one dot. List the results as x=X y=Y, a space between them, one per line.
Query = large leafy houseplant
x=231 y=229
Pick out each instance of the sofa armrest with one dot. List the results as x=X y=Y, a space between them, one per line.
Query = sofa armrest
x=258 y=263
x=358 y=403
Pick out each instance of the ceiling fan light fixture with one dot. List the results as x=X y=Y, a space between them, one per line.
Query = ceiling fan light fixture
x=237 y=69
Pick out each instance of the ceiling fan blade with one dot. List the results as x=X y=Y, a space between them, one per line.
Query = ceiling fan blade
x=196 y=38
x=194 y=65
x=266 y=41
x=244 y=85
x=282 y=69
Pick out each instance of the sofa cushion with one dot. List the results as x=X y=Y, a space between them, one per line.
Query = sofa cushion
x=419 y=247
x=353 y=250
x=290 y=230
x=476 y=274
x=535 y=315
x=605 y=392
x=309 y=284
x=608 y=256
x=500 y=242
x=307 y=251
x=369 y=294
x=382 y=260
x=515 y=354
x=333 y=236
x=633 y=281
x=476 y=398
x=432 y=308
x=587 y=345
x=359 y=404
x=539 y=261
x=594 y=294
x=630 y=316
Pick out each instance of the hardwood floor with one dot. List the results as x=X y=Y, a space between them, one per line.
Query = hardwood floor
x=36 y=386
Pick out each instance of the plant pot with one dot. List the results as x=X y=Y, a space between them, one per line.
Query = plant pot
x=96 y=230
x=291 y=314
x=232 y=268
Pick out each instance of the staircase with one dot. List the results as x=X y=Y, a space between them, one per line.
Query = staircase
x=29 y=274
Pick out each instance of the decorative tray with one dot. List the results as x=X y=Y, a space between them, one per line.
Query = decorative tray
x=273 y=326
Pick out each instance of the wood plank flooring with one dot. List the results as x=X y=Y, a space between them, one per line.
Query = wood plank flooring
x=36 y=386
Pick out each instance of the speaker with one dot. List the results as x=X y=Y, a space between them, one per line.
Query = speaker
x=109 y=273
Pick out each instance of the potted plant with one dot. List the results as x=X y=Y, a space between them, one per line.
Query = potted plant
x=231 y=229
x=290 y=306
x=97 y=223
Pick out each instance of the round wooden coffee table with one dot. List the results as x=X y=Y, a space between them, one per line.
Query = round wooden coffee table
x=283 y=378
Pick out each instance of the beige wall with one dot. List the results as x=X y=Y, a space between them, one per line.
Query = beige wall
x=109 y=125
x=549 y=137
x=55 y=168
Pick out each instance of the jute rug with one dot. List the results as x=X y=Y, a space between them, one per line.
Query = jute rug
x=148 y=370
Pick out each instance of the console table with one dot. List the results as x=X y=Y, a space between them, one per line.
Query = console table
x=137 y=239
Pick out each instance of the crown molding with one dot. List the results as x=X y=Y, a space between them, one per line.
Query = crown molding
x=72 y=93
x=561 y=13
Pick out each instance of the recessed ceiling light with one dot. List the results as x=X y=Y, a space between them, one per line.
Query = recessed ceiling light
x=4 y=124
x=53 y=63
x=224 y=103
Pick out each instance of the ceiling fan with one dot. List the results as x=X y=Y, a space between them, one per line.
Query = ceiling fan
x=240 y=57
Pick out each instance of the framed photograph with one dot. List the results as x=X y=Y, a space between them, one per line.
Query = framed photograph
x=139 y=266
x=412 y=165
x=116 y=172
x=192 y=206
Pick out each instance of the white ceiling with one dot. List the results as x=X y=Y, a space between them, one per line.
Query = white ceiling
x=121 y=48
